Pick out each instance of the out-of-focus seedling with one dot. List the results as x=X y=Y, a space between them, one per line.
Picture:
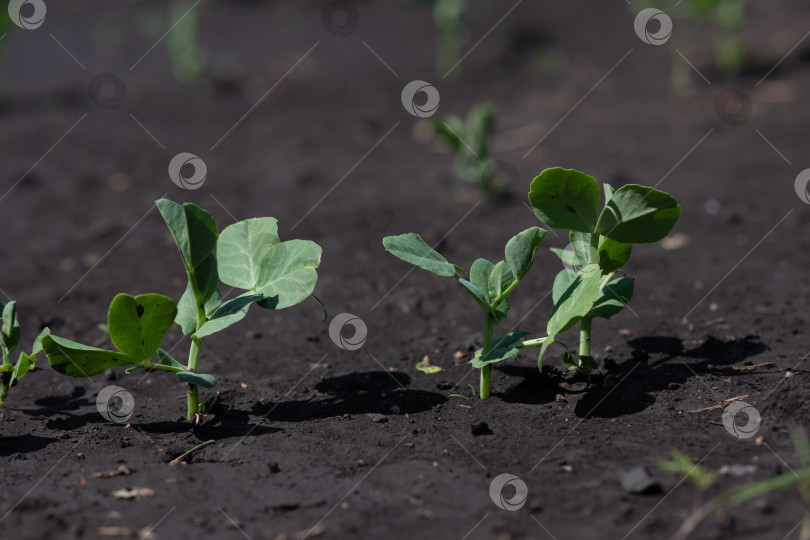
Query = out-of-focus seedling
x=798 y=477
x=682 y=466
x=600 y=245
x=10 y=373
x=469 y=142
x=489 y=284
x=249 y=256
x=448 y=19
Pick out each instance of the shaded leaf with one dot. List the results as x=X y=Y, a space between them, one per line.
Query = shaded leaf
x=193 y=229
x=521 y=248
x=613 y=298
x=565 y=199
x=77 y=360
x=562 y=281
x=479 y=276
x=638 y=214
x=576 y=301
x=230 y=312
x=199 y=379
x=477 y=295
x=500 y=279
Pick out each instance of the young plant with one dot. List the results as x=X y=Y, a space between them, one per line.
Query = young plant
x=489 y=284
x=249 y=256
x=798 y=478
x=448 y=18
x=10 y=373
x=681 y=465
x=469 y=143
x=600 y=245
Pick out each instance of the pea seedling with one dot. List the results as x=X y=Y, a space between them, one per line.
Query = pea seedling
x=249 y=256
x=469 y=142
x=489 y=284
x=10 y=373
x=701 y=478
x=600 y=245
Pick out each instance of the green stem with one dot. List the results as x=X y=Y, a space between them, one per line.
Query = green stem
x=530 y=343
x=486 y=371
x=585 y=337
x=193 y=360
x=5 y=379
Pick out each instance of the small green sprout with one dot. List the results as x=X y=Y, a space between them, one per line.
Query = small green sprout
x=10 y=373
x=448 y=18
x=489 y=284
x=681 y=465
x=249 y=256
x=600 y=245
x=469 y=142
x=797 y=477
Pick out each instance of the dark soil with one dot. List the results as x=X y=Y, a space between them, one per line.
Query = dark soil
x=295 y=445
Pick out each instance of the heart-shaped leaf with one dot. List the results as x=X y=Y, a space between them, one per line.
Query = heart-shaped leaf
x=521 y=248
x=193 y=229
x=242 y=249
x=638 y=214
x=411 y=248
x=565 y=199
x=137 y=324
x=77 y=360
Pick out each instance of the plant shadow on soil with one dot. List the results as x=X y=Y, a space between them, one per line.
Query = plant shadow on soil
x=715 y=356
x=355 y=393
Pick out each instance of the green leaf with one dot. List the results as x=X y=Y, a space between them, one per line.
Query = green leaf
x=138 y=323
x=480 y=126
x=24 y=364
x=229 y=313
x=77 y=360
x=426 y=367
x=495 y=355
x=411 y=248
x=11 y=326
x=288 y=273
x=193 y=229
x=613 y=298
x=565 y=199
x=609 y=191
x=199 y=379
x=562 y=281
x=576 y=301
x=500 y=279
x=187 y=312
x=638 y=214
x=167 y=360
x=479 y=276
x=452 y=130
x=501 y=310
x=521 y=248
x=509 y=339
x=242 y=249
x=206 y=279
x=543 y=348
x=477 y=295
x=612 y=254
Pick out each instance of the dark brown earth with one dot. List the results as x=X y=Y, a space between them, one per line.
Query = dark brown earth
x=295 y=445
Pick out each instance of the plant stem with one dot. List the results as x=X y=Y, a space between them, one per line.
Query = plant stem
x=184 y=455
x=193 y=359
x=5 y=379
x=486 y=371
x=585 y=337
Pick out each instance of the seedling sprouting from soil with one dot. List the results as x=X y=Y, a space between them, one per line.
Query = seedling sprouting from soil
x=249 y=256
x=600 y=246
x=701 y=478
x=489 y=284
x=469 y=142
x=10 y=373
x=798 y=477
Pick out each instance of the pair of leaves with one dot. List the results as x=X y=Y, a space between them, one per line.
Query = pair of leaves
x=10 y=340
x=249 y=256
x=137 y=325
x=633 y=214
x=489 y=284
